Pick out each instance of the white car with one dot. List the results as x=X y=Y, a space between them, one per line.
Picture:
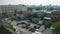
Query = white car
x=36 y=32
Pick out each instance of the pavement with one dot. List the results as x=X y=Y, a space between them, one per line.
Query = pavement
x=41 y=28
x=22 y=30
x=25 y=31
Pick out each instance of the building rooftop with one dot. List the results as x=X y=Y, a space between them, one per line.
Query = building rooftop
x=47 y=18
x=47 y=31
x=48 y=12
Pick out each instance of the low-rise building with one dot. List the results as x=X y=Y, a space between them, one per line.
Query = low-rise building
x=55 y=15
x=47 y=31
x=48 y=13
x=25 y=13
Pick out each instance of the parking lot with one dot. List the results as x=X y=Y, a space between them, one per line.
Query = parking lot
x=24 y=30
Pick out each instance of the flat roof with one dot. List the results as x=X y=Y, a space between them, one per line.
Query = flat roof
x=48 y=12
x=47 y=18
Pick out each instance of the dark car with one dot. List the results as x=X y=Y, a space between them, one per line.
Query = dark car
x=18 y=23
x=36 y=27
x=32 y=29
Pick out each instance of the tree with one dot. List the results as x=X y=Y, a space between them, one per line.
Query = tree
x=35 y=15
x=5 y=14
x=47 y=23
x=56 y=27
x=15 y=12
x=30 y=17
x=11 y=27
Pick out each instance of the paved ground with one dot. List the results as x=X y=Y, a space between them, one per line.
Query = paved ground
x=25 y=31
x=41 y=28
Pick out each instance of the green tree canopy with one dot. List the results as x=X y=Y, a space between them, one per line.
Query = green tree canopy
x=56 y=27
x=5 y=14
x=47 y=23
x=15 y=12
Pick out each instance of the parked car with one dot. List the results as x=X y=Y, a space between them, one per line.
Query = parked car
x=32 y=29
x=36 y=27
x=18 y=23
x=23 y=23
x=23 y=26
x=36 y=32
x=40 y=23
x=27 y=27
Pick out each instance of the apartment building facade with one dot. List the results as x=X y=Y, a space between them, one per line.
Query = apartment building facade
x=55 y=16
x=10 y=9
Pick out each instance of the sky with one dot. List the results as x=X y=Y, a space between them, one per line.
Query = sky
x=30 y=2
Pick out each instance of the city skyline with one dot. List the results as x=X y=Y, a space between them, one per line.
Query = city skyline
x=30 y=2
